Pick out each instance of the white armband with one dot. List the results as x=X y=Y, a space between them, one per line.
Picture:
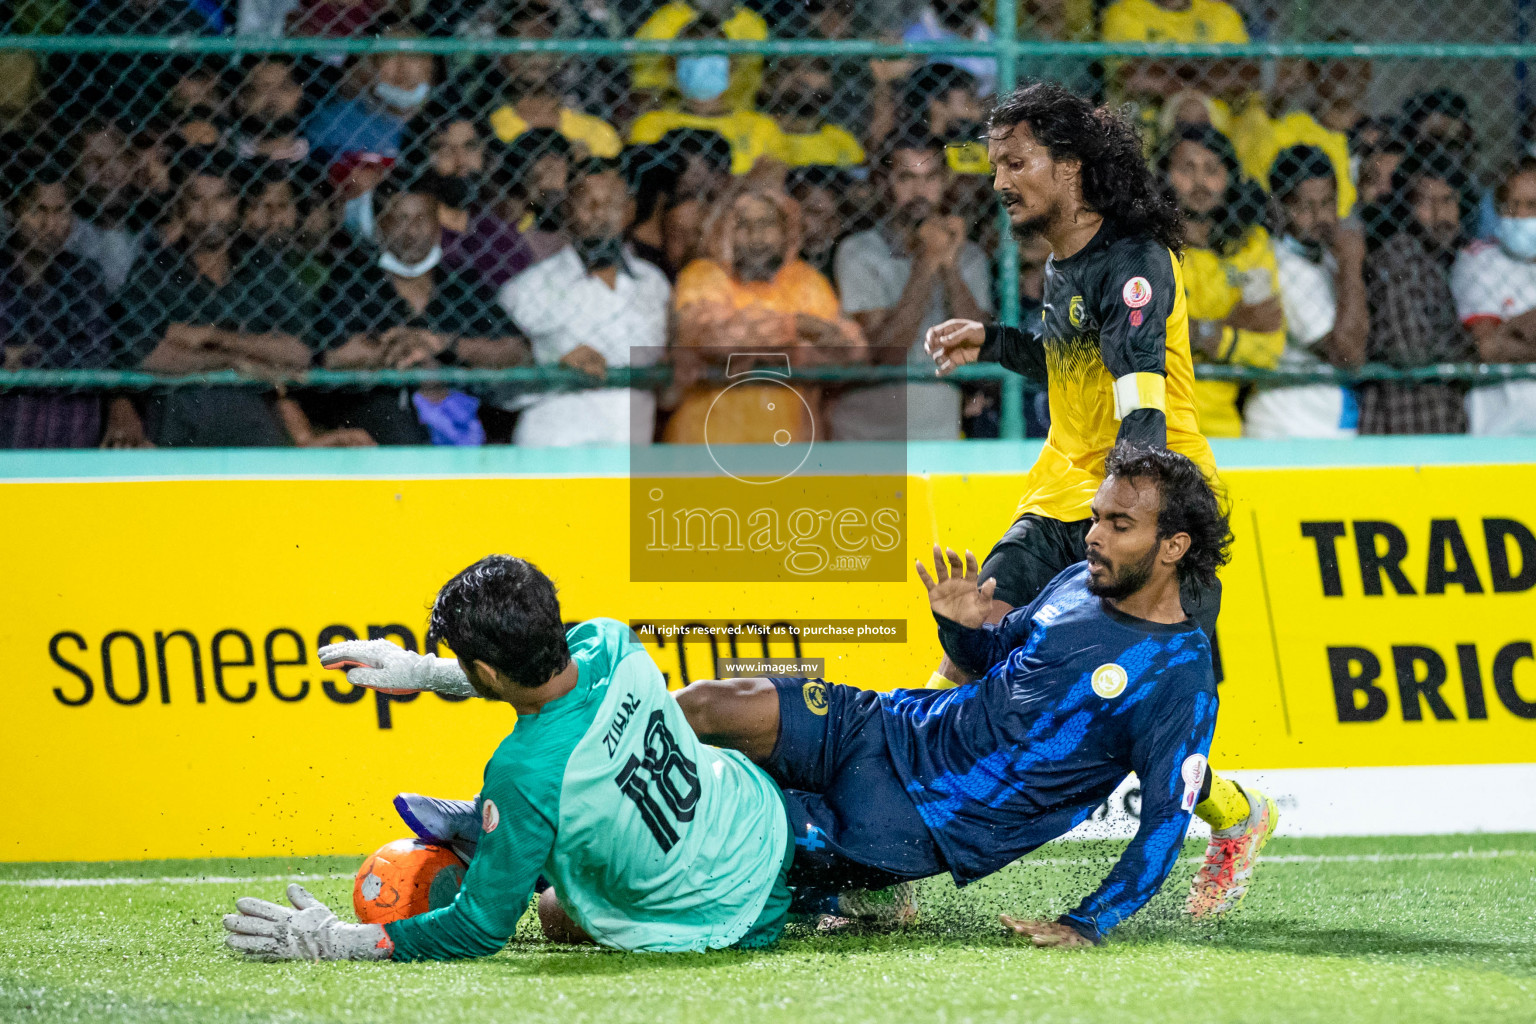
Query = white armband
x=1140 y=391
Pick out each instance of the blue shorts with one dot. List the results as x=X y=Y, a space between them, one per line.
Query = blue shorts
x=854 y=825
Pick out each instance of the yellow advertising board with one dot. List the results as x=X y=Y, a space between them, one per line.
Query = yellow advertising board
x=162 y=697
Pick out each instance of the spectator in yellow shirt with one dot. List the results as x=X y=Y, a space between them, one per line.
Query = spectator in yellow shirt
x=1177 y=21
x=1258 y=138
x=1173 y=21
x=653 y=73
x=528 y=96
x=1231 y=281
x=800 y=93
x=702 y=83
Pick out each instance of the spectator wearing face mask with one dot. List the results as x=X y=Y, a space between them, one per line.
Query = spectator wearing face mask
x=1495 y=288
x=1322 y=290
x=747 y=298
x=397 y=85
x=1231 y=282
x=701 y=83
x=528 y=91
x=442 y=149
x=655 y=75
x=800 y=93
x=1412 y=237
x=591 y=306
x=404 y=309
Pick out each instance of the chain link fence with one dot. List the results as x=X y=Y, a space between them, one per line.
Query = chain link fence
x=361 y=221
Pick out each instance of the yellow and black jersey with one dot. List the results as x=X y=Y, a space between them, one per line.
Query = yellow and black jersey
x=1112 y=345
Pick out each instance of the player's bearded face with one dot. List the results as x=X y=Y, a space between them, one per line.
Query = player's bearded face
x=1122 y=544
x=1028 y=182
x=1120 y=577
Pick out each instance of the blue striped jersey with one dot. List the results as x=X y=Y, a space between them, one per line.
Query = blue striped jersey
x=1071 y=695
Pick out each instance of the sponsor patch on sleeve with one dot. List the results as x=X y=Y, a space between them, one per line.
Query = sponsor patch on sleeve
x=1137 y=292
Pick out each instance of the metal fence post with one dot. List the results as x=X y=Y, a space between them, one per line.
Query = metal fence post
x=1011 y=414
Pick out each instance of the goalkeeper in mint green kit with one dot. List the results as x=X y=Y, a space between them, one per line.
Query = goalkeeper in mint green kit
x=651 y=840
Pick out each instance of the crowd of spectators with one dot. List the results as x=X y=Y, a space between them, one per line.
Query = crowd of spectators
x=273 y=214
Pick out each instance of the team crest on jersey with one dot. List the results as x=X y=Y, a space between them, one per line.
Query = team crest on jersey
x=1137 y=292
x=815 y=694
x=490 y=817
x=1193 y=773
x=1109 y=680
x=1075 y=311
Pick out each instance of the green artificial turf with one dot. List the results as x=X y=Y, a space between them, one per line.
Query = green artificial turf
x=1390 y=930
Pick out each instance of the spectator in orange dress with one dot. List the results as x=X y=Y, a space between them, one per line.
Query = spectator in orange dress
x=754 y=299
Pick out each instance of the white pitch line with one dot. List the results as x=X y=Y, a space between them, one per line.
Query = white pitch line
x=1291 y=858
x=70 y=883
x=1322 y=858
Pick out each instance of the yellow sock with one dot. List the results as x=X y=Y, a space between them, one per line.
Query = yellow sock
x=938 y=681
x=1225 y=807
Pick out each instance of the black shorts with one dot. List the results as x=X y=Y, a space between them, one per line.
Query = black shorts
x=1035 y=549
x=854 y=824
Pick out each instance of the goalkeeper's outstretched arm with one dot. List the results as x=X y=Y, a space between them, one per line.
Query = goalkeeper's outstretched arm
x=381 y=665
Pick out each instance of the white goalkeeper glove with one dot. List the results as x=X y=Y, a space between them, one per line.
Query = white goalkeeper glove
x=308 y=931
x=381 y=665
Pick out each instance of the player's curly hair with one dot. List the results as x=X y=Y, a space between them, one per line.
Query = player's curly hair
x=1117 y=183
x=1187 y=504
x=502 y=611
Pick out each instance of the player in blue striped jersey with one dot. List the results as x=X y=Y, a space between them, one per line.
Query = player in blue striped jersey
x=1101 y=675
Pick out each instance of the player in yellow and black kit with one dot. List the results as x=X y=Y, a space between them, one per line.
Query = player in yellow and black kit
x=1112 y=346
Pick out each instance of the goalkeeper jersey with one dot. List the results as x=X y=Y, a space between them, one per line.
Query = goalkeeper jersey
x=652 y=840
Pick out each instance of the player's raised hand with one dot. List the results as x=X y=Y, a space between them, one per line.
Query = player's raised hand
x=952 y=589
x=954 y=343
x=1045 y=933
x=381 y=665
x=307 y=931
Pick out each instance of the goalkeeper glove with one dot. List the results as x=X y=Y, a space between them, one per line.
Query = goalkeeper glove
x=381 y=665
x=309 y=931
